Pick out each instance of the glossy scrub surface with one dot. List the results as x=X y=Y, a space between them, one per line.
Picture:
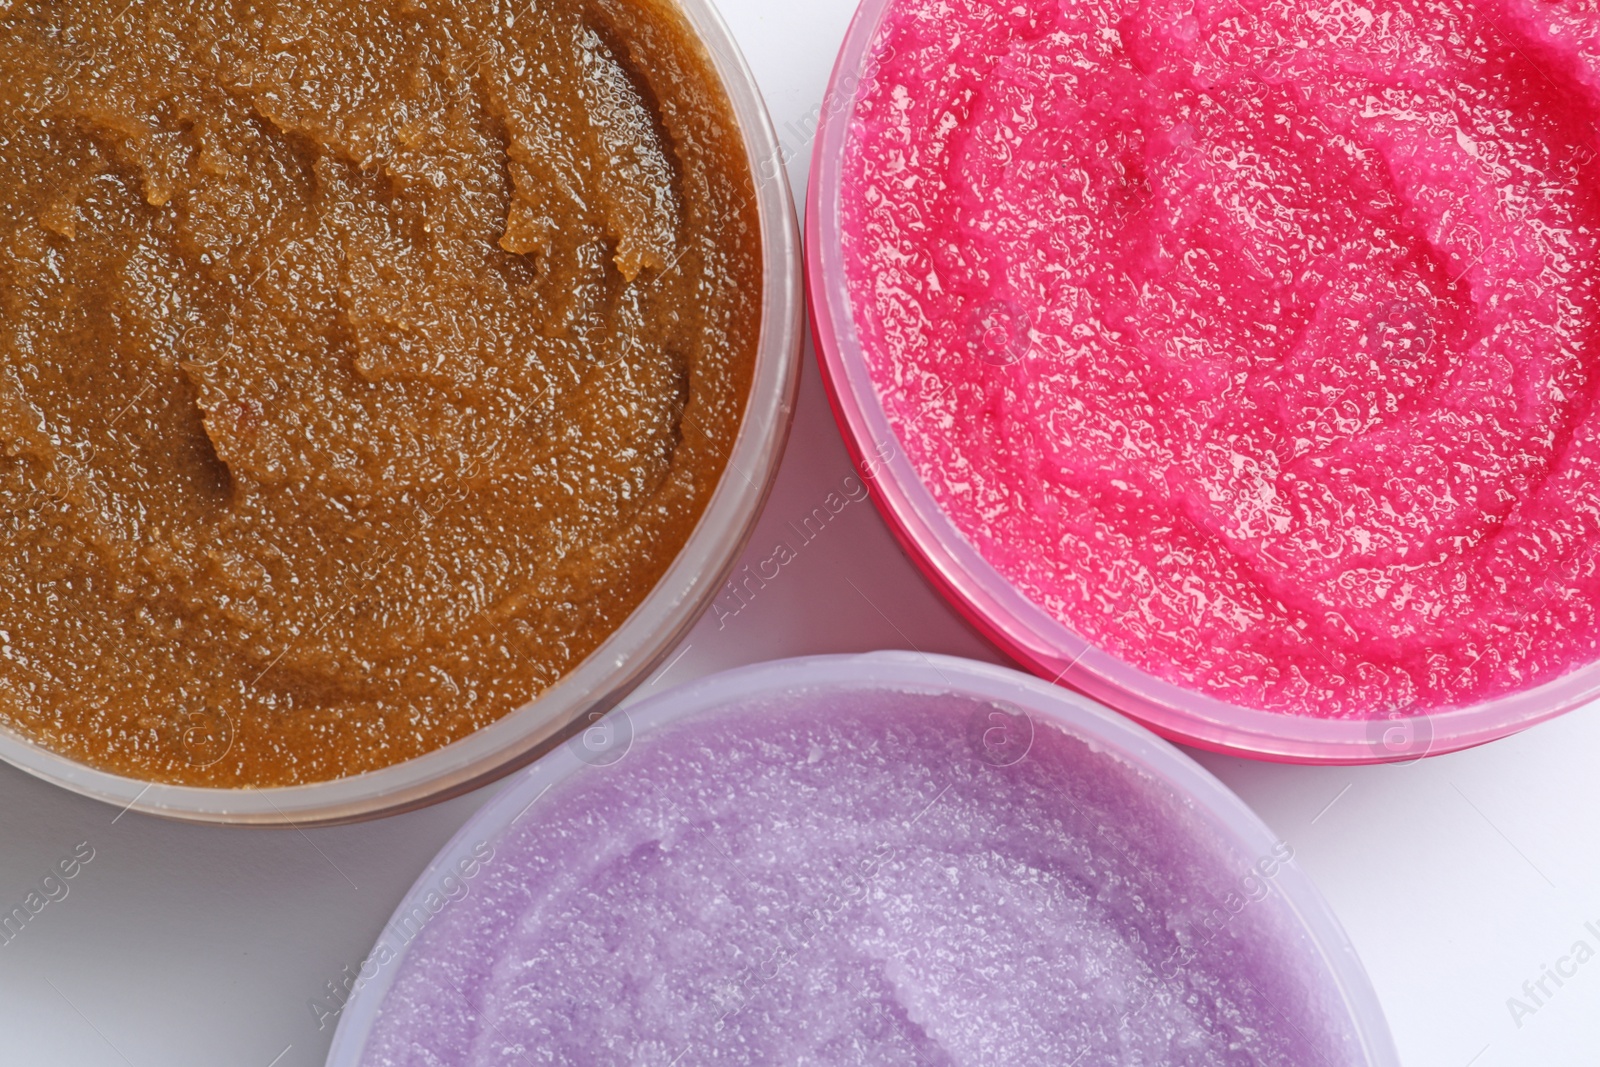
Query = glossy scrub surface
x=872 y=878
x=362 y=364
x=1253 y=341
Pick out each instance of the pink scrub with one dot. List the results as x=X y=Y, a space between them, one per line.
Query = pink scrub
x=1254 y=341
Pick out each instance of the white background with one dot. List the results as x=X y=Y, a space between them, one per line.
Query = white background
x=1458 y=879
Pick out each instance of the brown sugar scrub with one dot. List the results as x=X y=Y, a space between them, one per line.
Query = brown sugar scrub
x=363 y=364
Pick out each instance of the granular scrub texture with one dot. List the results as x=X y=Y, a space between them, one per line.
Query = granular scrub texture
x=1254 y=342
x=362 y=364
x=850 y=878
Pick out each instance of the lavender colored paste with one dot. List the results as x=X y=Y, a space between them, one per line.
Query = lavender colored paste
x=863 y=878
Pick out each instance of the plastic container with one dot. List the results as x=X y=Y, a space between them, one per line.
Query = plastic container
x=638 y=646
x=1017 y=625
x=1315 y=937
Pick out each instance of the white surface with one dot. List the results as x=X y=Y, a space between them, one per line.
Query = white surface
x=1458 y=879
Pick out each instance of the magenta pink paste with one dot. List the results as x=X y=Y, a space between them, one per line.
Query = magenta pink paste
x=1253 y=341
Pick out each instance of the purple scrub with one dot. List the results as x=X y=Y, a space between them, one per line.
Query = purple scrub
x=843 y=878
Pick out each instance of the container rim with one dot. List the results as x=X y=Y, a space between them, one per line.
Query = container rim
x=644 y=639
x=1237 y=826
x=1022 y=629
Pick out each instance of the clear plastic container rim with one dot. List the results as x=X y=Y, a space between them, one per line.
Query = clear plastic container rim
x=1236 y=824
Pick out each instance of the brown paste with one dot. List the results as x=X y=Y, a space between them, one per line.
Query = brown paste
x=363 y=364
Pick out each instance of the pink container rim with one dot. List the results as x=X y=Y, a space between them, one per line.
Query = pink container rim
x=1326 y=945
x=1018 y=626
